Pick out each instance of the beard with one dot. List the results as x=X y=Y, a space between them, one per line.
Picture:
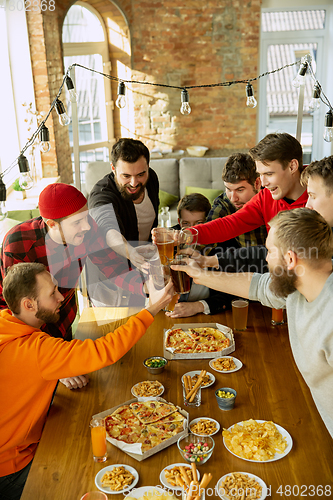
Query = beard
x=128 y=196
x=283 y=281
x=46 y=315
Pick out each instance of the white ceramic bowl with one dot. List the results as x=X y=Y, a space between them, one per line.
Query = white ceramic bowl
x=196 y=150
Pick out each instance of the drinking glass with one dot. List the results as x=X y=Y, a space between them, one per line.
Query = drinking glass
x=94 y=495
x=197 y=398
x=277 y=317
x=181 y=280
x=240 y=309
x=98 y=439
x=164 y=238
x=187 y=240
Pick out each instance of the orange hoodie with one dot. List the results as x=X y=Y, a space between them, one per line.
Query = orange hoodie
x=31 y=362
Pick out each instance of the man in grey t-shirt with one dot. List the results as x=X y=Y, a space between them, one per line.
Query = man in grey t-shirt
x=300 y=249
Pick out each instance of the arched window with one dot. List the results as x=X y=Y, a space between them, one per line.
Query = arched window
x=85 y=43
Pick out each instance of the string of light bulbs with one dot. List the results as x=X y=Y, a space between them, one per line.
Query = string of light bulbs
x=25 y=179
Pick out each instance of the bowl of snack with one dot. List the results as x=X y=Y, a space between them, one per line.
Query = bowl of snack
x=155 y=364
x=196 y=150
x=197 y=449
x=147 y=389
x=225 y=398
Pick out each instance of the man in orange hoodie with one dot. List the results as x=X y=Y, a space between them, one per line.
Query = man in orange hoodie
x=33 y=299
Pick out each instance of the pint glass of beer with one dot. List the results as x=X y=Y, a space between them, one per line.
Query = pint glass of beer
x=277 y=317
x=181 y=280
x=240 y=309
x=165 y=241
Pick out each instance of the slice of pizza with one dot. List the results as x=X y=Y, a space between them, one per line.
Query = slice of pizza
x=113 y=426
x=143 y=410
x=173 y=337
x=170 y=428
x=174 y=417
x=161 y=410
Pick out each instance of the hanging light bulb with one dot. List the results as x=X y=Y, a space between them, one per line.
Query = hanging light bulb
x=25 y=180
x=315 y=101
x=300 y=77
x=44 y=136
x=251 y=101
x=185 y=108
x=328 y=131
x=121 y=101
x=73 y=97
x=3 y=210
x=64 y=119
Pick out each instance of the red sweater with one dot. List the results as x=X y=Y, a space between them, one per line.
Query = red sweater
x=258 y=211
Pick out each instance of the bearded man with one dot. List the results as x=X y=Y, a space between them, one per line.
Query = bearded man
x=125 y=203
x=299 y=256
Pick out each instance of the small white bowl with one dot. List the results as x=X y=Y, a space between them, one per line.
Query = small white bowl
x=196 y=150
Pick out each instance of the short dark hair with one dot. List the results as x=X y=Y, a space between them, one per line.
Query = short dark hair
x=281 y=147
x=323 y=169
x=305 y=232
x=240 y=167
x=194 y=202
x=129 y=150
x=20 y=282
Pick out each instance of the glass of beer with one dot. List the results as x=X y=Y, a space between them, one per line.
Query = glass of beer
x=170 y=307
x=165 y=241
x=98 y=439
x=277 y=317
x=181 y=280
x=187 y=239
x=240 y=309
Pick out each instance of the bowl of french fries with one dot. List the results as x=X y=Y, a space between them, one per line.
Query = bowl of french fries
x=225 y=397
x=196 y=449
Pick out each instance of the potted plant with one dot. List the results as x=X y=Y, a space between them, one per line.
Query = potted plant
x=20 y=192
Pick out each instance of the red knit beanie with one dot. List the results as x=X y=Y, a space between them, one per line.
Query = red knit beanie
x=60 y=200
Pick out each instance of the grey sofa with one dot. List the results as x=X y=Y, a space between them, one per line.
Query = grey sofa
x=174 y=175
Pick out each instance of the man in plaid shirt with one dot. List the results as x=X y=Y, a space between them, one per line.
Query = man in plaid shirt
x=62 y=239
x=241 y=183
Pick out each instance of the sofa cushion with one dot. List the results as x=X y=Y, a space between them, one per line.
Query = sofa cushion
x=211 y=194
x=201 y=172
x=94 y=172
x=166 y=199
x=167 y=171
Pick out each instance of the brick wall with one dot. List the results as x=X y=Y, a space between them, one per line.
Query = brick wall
x=169 y=42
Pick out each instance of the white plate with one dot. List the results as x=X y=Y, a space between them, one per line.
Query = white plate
x=238 y=364
x=164 y=480
x=204 y=418
x=277 y=456
x=107 y=490
x=139 y=492
x=146 y=397
x=197 y=372
x=258 y=479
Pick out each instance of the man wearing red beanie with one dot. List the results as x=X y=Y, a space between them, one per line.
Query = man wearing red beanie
x=62 y=238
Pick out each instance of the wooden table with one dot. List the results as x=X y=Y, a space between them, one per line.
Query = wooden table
x=269 y=387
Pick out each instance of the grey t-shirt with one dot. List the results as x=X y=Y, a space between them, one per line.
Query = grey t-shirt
x=310 y=328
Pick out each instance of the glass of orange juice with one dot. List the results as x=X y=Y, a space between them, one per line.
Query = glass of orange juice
x=98 y=439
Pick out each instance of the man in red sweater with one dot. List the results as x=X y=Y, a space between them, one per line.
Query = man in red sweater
x=279 y=161
x=31 y=362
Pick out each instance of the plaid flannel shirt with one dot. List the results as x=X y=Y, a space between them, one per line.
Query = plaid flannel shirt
x=221 y=207
x=30 y=242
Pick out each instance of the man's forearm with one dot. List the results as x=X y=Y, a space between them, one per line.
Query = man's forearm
x=235 y=284
x=117 y=242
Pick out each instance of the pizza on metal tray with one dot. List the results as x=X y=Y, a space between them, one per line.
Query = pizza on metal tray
x=149 y=423
x=194 y=340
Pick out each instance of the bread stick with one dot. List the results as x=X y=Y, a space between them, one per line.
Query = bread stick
x=187 y=389
x=181 y=482
x=189 y=381
x=185 y=477
x=197 y=385
x=194 y=472
x=206 y=478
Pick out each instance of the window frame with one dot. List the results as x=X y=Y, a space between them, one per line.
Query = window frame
x=324 y=74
